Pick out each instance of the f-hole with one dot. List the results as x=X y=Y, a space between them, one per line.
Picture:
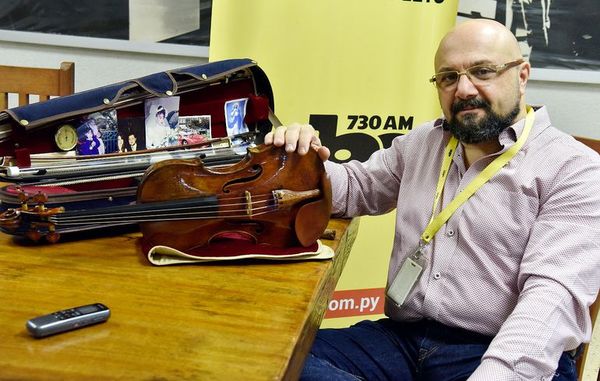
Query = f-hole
x=253 y=173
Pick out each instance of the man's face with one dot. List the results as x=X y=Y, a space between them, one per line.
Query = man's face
x=131 y=139
x=477 y=111
x=480 y=111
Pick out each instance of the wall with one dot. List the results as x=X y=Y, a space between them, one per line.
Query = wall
x=573 y=107
x=93 y=68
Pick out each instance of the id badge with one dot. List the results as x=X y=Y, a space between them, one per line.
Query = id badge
x=405 y=279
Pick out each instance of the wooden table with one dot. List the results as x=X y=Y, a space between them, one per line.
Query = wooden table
x=236 y=321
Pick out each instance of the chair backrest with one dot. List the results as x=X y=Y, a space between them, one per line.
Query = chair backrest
x=26 y=81
x=595 y=145
x=583 y=359
x=592 y=143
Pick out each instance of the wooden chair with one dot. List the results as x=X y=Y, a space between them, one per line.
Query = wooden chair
x=581 y=363
x=594 y=144
x=26 y=81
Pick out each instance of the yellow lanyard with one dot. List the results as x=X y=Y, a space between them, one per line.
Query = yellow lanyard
x=438 y=221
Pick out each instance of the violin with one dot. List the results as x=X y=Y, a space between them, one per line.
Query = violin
x=270 y=197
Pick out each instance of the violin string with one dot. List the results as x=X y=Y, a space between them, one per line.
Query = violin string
x=254 y=197
x=169 y=211
x=210 y=211
x=167 y=206
x=161 y=217
x=201 y=211
x=206 y=209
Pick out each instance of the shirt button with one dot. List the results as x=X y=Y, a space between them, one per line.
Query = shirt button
x=437 y=276
x=450 y=233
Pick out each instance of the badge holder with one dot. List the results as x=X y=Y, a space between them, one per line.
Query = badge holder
x=406 y=278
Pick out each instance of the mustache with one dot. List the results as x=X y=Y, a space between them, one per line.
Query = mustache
x=461 y=104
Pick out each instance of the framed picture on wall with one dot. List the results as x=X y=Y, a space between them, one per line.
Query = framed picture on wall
x=179 y=27
x=560 y=38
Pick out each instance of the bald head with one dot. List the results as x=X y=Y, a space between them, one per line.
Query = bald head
x=490 y=95
x=479 y=39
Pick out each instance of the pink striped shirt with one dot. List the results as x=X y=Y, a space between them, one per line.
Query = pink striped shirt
x=520 y=260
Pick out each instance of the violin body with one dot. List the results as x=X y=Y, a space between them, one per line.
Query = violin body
x=270 y=198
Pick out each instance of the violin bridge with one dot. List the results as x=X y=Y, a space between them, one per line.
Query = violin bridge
x=248 y=203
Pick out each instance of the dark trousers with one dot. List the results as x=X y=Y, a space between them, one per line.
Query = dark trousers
x=388 y=350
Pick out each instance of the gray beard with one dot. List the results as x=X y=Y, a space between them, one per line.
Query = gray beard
x=470 y=131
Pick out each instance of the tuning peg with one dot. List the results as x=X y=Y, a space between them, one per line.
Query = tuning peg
x=52 y=237
x=33 y=235
x=23 y=198
x=40 y=198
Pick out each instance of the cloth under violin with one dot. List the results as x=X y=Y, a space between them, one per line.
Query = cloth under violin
x=164 y=255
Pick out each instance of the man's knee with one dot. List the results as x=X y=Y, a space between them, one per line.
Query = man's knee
x=317 y=369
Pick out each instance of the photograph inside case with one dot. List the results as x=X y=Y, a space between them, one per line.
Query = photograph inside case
x=235 y=113
x=162 y=120
x=97 y=133
x=132 y=134
x=193 y=129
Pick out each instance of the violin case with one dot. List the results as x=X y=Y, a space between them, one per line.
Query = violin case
x=28 y=134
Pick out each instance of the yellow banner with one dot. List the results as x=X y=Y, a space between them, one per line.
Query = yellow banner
x=358 y=72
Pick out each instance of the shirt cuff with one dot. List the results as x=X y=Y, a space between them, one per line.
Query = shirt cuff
x=494 y=370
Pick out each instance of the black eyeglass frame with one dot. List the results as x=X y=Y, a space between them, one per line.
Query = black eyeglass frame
x=497 y=69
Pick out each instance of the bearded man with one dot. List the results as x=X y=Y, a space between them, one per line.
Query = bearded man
x=496 y=251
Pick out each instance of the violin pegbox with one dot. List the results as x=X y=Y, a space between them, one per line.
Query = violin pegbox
x=34 y=219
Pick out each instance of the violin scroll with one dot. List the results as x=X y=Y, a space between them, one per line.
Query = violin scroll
x=30 y=221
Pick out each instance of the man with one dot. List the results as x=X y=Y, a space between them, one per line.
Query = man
x=132 y=140
x=497 y=286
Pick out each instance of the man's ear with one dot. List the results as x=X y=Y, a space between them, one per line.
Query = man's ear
x=524 y=76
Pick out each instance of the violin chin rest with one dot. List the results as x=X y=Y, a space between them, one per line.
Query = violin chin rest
x=312 y=218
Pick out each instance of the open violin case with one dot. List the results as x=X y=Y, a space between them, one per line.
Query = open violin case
x=44 y=170
x=32 y=160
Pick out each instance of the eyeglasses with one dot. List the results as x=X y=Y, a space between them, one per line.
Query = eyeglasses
x=477 y=74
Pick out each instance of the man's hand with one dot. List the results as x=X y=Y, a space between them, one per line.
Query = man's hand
x=297 y=137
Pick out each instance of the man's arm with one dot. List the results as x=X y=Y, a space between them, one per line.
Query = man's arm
x=558 y=281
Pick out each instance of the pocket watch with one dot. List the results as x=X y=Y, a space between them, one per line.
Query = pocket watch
x=66 y=137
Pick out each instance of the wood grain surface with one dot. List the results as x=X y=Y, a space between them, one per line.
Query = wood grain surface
x=251 y=320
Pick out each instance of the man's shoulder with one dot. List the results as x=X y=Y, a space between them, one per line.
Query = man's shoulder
x=555 y=141
x=552 y=140
x=558 y=155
